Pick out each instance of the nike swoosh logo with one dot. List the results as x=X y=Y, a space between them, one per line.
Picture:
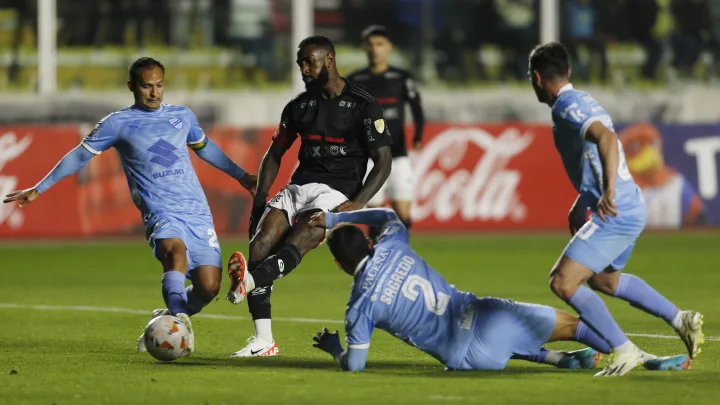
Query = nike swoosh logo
x=255 y=352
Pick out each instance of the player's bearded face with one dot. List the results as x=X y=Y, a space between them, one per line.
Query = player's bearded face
x=316 y=81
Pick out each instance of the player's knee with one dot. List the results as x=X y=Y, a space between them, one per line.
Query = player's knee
x=209 y=289
x=562 y=286
x=174 y=257
x=260 y=246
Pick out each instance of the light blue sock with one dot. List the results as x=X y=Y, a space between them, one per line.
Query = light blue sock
x=639 y=294
x=595 y=314
x=195 y=303
x=585 y=335
x=173 y=289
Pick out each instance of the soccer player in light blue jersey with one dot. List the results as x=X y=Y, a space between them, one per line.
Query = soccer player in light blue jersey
x=395 y=290
x=152 y=140
x=595 y=163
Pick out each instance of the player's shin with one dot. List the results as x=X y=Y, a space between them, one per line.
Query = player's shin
x=585 y=335
x=173 y=289
x=594 y=313
x=260 y=309
x=195 y=302
x=276 y=266
x=639 y=294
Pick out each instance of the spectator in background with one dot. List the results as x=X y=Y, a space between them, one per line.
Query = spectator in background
x=251 y=27
x=579 y=29
x=643 y=15
x=517 y=32
x=693 y=25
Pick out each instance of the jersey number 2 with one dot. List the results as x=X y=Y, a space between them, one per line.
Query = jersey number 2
x=437 y=305
x=213 y=241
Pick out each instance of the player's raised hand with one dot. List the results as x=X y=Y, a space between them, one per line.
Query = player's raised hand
x=24 y=196
x=606 y=206
x=328 y=342
x=249 y=182
x=348 y=206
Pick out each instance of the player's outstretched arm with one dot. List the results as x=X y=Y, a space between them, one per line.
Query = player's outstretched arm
x=353 y=359
x=75 y=160
x=210 y=152
x=383 y=218
x=382 y=164
x=269 y=168
x=609 y=150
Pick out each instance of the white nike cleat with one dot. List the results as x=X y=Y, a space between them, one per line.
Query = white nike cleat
x=620 y=363
x=191 y=336
x=258 y=347
x=690 y=331
x=239 y=278
x=141 y=341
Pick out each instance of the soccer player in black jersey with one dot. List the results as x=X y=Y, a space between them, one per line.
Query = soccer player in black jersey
x=392 y=88
x=340 y=126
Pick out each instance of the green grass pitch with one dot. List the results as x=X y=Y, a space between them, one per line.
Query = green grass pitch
x=82 y=355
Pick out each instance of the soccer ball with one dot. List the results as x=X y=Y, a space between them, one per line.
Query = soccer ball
x=166 y=338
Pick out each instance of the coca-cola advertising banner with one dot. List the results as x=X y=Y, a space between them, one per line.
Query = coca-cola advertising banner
x=678 y=167
x=469 y=178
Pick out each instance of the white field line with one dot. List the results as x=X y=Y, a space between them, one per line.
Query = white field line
x=83 y=308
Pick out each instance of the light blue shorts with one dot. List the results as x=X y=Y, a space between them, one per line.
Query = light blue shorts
x=196 y=232
x=599 y=244
x=504 y=328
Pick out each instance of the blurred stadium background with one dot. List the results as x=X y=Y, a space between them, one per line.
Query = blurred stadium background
x=654 y=64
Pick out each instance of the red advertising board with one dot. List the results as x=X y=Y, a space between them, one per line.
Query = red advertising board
x=486 y=177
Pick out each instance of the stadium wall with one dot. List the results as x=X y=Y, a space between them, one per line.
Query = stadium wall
x=473 y=177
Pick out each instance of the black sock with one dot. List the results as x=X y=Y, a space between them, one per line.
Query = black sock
x=277 y=266
x=259 y=302
x=252 y=264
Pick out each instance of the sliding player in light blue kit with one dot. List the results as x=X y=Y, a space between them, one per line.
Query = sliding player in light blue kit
x=397 y=291
x=152 y=140
x=595 y=162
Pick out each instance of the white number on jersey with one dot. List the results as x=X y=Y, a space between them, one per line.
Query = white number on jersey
x=577 y=115
x=437 y=305
x=213 y=241
x=587 y=230
x=623 y=170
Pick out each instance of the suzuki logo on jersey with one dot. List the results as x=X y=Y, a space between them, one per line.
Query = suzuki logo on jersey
x=164 y=153
x=176 y=123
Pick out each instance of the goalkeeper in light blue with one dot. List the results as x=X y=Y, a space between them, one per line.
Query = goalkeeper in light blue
x=153 y=140
x=595 y=163
x=395 y=290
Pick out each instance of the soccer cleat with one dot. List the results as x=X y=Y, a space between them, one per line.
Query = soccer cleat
x=237 y=270
x=620 y=363
x=258 y=347
x=191 y=336
x=141 y=341
x=669 y=363
x=580 y=359
x=691 y=332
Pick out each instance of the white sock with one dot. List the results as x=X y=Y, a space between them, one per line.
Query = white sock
x=249 y=283
x=677 y=322
x=263 y=329
x=553 y=357
x=624 y=348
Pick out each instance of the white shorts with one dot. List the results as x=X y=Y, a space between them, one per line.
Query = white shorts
x=294 y=199
x=399 y=186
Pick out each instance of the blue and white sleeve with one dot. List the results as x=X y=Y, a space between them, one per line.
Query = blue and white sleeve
x=102 y=137
x=358 y=331
x=196 y=139
x=75 y=160
x=384 y=218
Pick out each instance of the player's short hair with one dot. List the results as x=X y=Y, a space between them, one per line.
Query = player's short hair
x=319 y=41
x=374 y=31
x=349 y=245
x=136 y=68
x=551 y=60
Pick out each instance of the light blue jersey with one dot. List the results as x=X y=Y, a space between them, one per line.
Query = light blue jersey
x=153 y=149
x=598 y=244
x=572 y=114
x=397 y=291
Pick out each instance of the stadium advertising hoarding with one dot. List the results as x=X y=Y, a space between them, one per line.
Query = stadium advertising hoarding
x=469 y=177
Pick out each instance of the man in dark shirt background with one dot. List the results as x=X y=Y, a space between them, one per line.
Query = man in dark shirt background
x=392 y=88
